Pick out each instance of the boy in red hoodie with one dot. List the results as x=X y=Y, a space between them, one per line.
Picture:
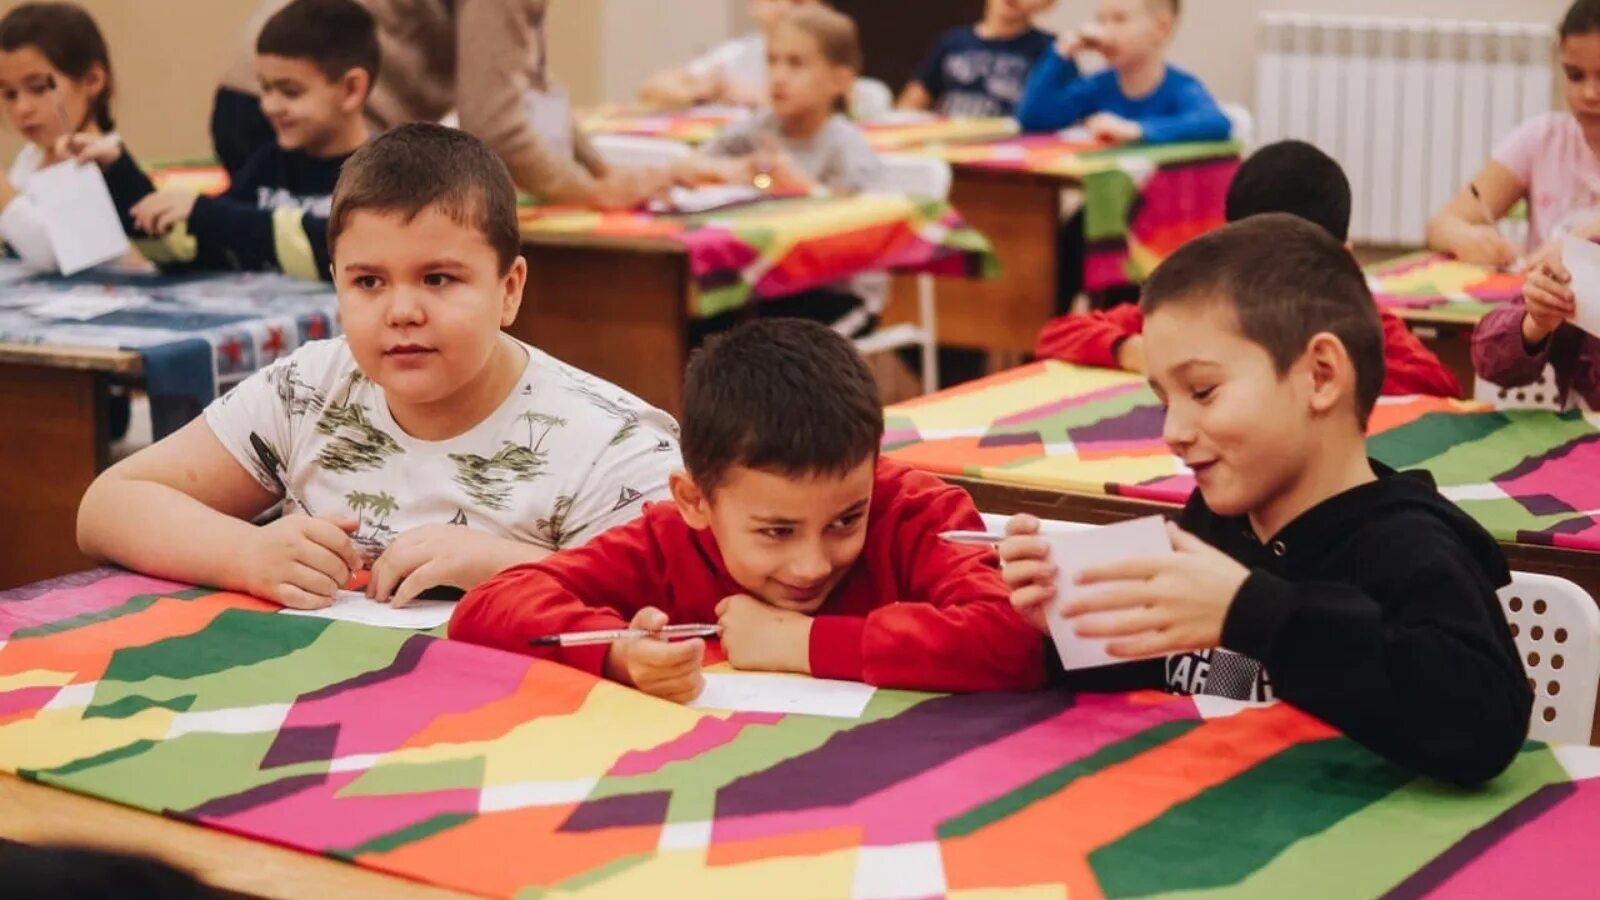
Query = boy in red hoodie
x=787 y=529
x=1292 y=177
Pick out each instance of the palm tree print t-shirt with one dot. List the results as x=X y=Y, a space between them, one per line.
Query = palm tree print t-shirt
x=565 y=457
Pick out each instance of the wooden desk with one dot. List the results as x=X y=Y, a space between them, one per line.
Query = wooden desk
x=615 y=307
x=35 y=814
x=61 y=394
x=1020 y=213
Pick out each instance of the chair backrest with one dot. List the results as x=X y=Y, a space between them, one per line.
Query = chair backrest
x=634 y=150
x=871 y=100
x=1539 y=395
x=1557 y=629
x=915 y=175
x=1244 y=123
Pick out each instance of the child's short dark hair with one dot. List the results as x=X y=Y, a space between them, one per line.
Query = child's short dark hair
x=67 y=36
x=1583 y=17
x=1293 y=177
x=333 y=35
x=1287 y=280
x=420 y=166
x=780 y=395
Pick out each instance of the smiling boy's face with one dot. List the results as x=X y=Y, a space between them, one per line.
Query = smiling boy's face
x=786 y=540
x=422 y=302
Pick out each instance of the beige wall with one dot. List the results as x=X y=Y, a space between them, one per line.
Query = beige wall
x=1217 y=38
x=167 y=53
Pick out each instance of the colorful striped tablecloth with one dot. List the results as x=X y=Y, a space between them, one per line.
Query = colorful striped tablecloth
x=1140 y=202
x=502 y=776
x=1431 y=287
x=198 y=335
x=1529 y=476
x=780 y=246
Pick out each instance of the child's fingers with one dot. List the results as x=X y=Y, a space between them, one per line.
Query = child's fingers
x=387 y=572
x=1025 y=547
x=1150 y=643
x=649 y=619
x=678 y=690
x=1032 y=598
x=429 y=574
x=1122 y=595
x=335 y=536
x=324 y=560
x=1022 y=524
x=1133 y=622
x=313 y=582
x=1124 y=570
x=288 y=595
x=1040 y=573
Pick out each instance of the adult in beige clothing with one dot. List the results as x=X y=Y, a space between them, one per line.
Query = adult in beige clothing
x=483 y=59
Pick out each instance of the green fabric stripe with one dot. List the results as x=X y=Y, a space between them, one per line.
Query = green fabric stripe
x=134 y=703
x=1241 y=822
x=408 y=835
x=1376 y=848
x=1004 y=807
x=392 y=778
x=48 y=776
x=248 y=641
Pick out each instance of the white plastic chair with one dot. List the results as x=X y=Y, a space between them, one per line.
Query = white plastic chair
x=1244 y=124
x=871 y=100
x=634 y=150
x=1539 y=395
x=1556 y=626
x=916 y=176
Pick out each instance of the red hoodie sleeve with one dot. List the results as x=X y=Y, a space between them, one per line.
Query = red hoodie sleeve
x=951 y=627
x=1411 y=367
x=592 y=587
x=1089 y=339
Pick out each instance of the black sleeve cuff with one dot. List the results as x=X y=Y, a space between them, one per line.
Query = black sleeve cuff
x=1258 y=615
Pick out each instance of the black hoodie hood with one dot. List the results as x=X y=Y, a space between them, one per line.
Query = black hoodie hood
x=1302 y=548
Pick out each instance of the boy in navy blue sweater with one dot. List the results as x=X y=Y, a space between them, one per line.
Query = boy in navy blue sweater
x=1139 y=98
x=317 y=60
x=981 y=70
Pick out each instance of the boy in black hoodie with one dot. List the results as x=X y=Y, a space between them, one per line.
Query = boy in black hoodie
x=1303 y=569
x=317 y=60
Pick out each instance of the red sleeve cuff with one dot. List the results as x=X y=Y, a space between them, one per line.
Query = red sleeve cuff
x=836 y=647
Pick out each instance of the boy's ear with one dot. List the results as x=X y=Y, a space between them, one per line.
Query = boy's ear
x=356 y=84
x=1332 y=372
x=693 y=504
x=94 y=81
x=515 y=279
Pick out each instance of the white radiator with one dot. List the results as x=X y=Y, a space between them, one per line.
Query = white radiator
x=1411 y=108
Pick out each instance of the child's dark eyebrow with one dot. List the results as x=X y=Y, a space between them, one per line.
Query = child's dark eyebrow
x=774 y=520
x=855 y=507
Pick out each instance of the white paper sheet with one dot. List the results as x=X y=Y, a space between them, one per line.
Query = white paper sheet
x=1074 y=552
x=757 y=692
x=353 y=606
x=705 y=198
x=78 y=214
x=1582 y=259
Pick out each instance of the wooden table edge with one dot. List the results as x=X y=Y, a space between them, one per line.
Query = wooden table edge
x=66 y=356
x=38 y=814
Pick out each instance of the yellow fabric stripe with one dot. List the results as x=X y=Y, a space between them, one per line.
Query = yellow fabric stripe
x=176 y=246
x=292 y=246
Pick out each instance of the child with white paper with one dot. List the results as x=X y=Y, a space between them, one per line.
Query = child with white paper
x=1300 y=570
x=1556 y=325
x=55 y=80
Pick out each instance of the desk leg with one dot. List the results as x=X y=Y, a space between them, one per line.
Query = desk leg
x=1020 y=217
x=621 y=315
x=53 y=445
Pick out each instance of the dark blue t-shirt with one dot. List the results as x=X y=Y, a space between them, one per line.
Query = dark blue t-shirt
x=967 y=75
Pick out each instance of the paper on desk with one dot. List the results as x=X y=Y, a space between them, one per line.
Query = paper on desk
x=1582 y=259
x=758 y=692
x=1076 y=551
x=353 y=606
x=705 y=198
x=78 y=215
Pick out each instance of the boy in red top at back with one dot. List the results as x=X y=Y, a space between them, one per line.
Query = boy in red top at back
x=1292 y=177
x=787 y=529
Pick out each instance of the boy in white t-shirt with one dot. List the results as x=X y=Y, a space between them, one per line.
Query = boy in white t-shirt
x=733 y=72
x=425 y=445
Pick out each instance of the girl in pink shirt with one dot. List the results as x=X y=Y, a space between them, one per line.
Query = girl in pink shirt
x=1550 y=160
